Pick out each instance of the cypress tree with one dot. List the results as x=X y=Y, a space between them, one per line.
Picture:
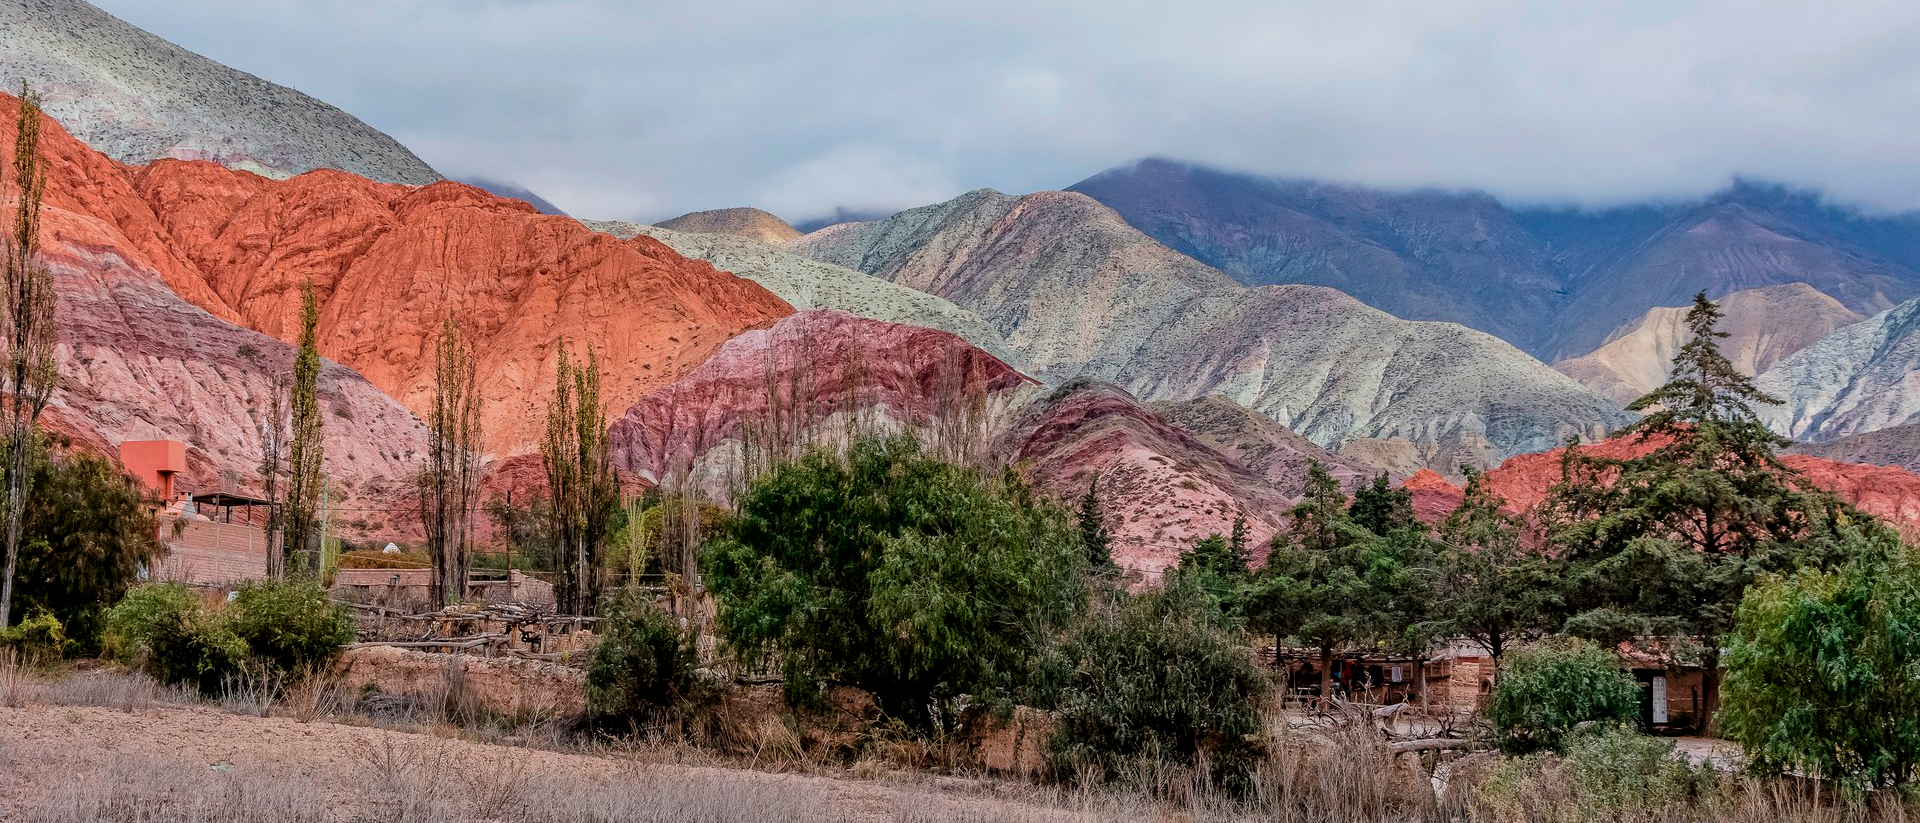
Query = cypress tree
x=1093 y=527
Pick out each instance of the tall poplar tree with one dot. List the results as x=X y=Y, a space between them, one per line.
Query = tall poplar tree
x=26 y=326
x=581 y=488
x=450 y=482
x=304 y=448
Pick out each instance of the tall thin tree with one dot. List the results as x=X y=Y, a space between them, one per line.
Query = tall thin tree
x=450 y=483
x=304 y=448
x=26 y=326
x=580 y=482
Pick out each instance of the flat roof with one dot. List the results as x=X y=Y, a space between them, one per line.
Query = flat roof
x=229 y=499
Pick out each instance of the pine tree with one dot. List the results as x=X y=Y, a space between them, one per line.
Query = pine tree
x=1494 y=589
x=1093 y=527
x=305 y=450
x=1380 y=508
x=1668 y=542
x=450 y=482
x=1238 y=556
x=1319 y=522
x=26 y=328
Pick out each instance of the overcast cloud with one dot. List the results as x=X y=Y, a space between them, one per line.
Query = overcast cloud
x=643 y=110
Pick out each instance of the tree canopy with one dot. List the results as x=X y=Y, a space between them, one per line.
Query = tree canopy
x=883 y=568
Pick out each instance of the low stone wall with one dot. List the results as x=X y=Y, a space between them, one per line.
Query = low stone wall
x=507 y=685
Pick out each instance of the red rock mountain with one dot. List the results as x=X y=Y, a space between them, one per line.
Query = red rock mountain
x=1161 y=488
x=1884 y=491
x=388 y=262
x=139 y=361
x=795 y=380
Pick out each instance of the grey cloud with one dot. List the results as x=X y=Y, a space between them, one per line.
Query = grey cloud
x=644 y=110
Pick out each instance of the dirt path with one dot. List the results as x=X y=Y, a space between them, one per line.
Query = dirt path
x=62 y=753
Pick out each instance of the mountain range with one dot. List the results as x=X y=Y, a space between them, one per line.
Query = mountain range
x=1189 y=339
x=1552 y=281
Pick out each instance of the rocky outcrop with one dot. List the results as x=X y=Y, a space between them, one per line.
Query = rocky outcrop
x=745 y=223
x=806 y=283
x=1861 y=378
x=138 y=98
x=1260 y=443
x=1161 y=488
x=1077 y=292
x=808 y=379
x=1763 y=327
x=1893 y=446
x=138 y=361
x=388 y=262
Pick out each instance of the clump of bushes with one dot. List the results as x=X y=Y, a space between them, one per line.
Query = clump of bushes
x=1605 y=776
x=37 y=638
x=1158 y=677
x=643 y=672
x=283 y=630
x=1545 y=693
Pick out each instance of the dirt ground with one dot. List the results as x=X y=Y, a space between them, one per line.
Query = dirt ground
x=355 y=772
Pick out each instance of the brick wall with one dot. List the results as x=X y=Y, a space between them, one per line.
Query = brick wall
x=209 y=553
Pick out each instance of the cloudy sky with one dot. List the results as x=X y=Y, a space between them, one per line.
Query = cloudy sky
x=643 y=110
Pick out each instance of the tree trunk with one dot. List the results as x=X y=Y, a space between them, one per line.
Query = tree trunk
x=16 y=514
x=1326 y=673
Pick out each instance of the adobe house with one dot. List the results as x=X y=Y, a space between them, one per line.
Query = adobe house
x=212 y=539
x=410 y=589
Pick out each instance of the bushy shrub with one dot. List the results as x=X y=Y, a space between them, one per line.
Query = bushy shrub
x=1545 y=692
x=195 y=649
x=290 y=625
x=37 y=638
x=1821 y=670
x=1156 y=677
x=643 y=669
x=1605 y=776
x=128 y=629
x=88 y=531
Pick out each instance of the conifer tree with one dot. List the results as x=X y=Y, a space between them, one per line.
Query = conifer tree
x=1666 y=543
x=26 y=327
x=1380 y=508
x=305 y=450
x=1494 y=589
x=1093 y=526
x=1238 y=555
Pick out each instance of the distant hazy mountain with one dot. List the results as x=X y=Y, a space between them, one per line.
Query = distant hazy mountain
x=1554 y=282
x=515 y=191
x=136 y=98
x=840 y=215
x=752 y=224
x=1763 y=326
x=1079 y=293
x=1894 y=446
x=1861 y=378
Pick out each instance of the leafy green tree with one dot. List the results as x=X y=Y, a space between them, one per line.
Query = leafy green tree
x=1823 y=669
x=1547 y=691
x=290 y=625
x=644 y=668
x=1667 y=542
x=1160 y=675
x=915 y=580
x=1382 y=509
x=1093 y=527
x=89 y=532
x=1332 y=584
x=1493 y=588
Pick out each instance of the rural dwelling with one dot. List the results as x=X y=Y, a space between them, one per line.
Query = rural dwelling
x=1448 y=679
x=1672 y=693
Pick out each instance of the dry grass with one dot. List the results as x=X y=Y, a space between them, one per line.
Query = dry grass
x=1310 y=777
